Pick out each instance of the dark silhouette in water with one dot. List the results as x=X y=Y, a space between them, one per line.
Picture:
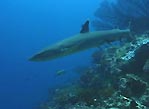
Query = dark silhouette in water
x=85 y=27
x=120 y=14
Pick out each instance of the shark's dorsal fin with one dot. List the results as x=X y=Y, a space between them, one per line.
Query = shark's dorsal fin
x=85 y=27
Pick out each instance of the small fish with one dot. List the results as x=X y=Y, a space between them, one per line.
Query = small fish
x=60 y=72
x=146 y=66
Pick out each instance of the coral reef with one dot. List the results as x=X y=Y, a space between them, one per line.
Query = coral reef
x=131 y=14
x=118 y=79
x=132 y=86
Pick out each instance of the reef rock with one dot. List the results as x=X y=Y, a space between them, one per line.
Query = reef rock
x=132 y=86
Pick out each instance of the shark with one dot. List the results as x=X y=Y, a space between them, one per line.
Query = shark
x=79 y=42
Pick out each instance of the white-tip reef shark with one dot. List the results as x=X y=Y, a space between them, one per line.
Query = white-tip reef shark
x=79 y=42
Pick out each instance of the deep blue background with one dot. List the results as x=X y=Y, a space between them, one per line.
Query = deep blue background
x=26 y=26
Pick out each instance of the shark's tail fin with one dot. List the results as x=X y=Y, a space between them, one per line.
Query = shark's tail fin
x=131 y=33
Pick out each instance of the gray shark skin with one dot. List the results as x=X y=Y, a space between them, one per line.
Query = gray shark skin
x=80 y=42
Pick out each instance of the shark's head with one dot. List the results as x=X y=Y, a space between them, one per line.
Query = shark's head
x=53 y=53
x=45 y=55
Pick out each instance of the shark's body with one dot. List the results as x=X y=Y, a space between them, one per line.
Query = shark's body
x=79 y=42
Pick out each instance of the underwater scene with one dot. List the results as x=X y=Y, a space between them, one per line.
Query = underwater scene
x=74 y=54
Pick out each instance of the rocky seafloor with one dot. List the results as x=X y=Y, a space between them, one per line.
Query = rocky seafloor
x=118 y=79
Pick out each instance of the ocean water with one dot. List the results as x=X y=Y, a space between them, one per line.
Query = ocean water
x=26 y=26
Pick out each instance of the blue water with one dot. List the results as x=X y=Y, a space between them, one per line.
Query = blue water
x=26 y=26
